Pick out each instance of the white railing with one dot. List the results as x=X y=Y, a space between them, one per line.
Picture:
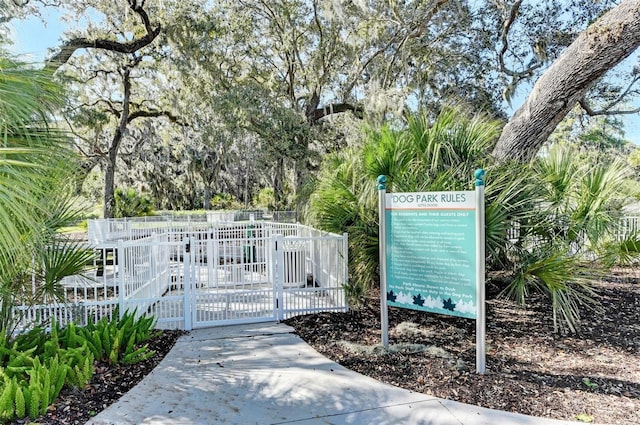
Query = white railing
x=102 y=232
x=144 y=271
x=198 y=273
x=313 y=273
x=628 y=226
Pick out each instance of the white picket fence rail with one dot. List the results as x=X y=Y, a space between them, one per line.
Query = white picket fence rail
x=197 y=273
x=203 y=271
x=626 y=227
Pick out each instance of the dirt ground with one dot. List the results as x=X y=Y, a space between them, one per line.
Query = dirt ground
x=590 y=377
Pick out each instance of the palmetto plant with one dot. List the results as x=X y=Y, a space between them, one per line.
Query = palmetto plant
x=35 y=166
x=425 y=156
x=549 y=224
x=568 y=239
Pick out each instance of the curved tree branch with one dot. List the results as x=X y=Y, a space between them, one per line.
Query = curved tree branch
x=504 y=40
x=69 y=47
x=154 y=114
x=516 y=76
x=603 y=45
x=608 y=108
x=605 y=111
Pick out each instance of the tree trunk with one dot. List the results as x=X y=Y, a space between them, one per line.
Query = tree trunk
x=84 y=169
x=603 y=45
x=109 y=185
x=207 y=197
x=109 y=174
x=278 y=184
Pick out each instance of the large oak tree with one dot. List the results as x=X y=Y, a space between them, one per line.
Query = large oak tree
x=599 y=48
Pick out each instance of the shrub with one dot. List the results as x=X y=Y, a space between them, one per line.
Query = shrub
x=130 y=203
x=550 y=224
x=37 y=364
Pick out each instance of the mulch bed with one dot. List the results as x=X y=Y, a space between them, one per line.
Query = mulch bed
x=108 y=384
x=592 y=376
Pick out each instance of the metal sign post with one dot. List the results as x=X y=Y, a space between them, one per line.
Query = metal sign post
x=480 y=265
x=384 y=313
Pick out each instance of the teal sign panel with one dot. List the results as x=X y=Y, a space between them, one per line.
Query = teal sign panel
x=431 y=252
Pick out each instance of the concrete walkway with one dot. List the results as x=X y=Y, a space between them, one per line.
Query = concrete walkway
x=264 y=374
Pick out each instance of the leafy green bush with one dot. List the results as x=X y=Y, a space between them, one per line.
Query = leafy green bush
x=30 y=390
x=130 y=203
x=224 y=201
x=45 y=382
x=551 y=224
x=425 y=156
x=265 y=198
x=34 y=366
x=118 y=340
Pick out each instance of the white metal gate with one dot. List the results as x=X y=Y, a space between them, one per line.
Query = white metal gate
x=245 y=274
x=228 y=277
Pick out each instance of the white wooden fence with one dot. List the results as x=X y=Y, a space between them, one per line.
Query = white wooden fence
x=190 y=273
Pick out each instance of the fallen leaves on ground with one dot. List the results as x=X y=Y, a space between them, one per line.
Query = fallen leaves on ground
x=530 y=370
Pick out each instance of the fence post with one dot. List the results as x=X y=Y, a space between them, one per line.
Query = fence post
x=188 y=305
x=480 y=274
x=278 y=260
x=384 y=310
x=345 y=262
x=120 y=269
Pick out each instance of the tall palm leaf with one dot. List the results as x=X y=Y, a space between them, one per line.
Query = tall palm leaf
x=26 y=97
x=34 y=164
x=562 y=278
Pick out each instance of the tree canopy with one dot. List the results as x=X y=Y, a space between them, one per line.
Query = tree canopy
x=191 y=99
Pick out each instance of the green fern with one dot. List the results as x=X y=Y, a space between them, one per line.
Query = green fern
x=94 y=342
x=32 y=341
x=80 y=374
x=136 y=356
x=87 y=371
x=20 y=362
x=34 y=403
x=20 y=403
x=7 y=396
x=45 y=383
x=46 y=392
x=58 y=374
x=107 y=342
x=131 y=343
x=115 y=350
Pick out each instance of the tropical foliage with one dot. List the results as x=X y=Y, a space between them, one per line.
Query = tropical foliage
x=35 y=168
x=425 y=156
x=36 y=365
x=551 y=224
x=130 y=203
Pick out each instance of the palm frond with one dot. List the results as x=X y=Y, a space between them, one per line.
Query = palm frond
x=58 y=260
x=565 y=280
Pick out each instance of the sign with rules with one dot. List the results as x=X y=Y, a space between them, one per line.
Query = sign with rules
x=432 y=255
x=431 y=252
